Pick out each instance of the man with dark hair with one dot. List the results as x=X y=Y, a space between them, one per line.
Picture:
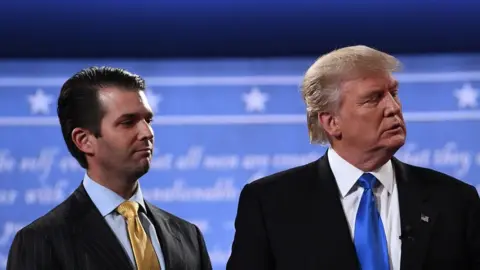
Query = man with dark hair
x=106 y=223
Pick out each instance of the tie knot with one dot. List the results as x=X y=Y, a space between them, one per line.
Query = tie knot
x=128 y=209
x=367 y=181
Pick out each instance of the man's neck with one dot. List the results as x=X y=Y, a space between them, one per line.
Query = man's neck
x=365 y=161
x=121 y=185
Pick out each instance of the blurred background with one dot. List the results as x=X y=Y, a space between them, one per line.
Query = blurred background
x=223 y=79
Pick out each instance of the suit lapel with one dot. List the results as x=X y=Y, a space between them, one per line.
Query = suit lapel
x=416 y=213
x=166 y=230
x=330 y=226
x=91 y=230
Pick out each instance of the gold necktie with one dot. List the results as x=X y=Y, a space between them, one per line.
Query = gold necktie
x=143 y=251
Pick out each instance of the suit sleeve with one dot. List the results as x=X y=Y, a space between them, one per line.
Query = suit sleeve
x=250 y=247
x=31 y=250
x=473 y=225
x=204 y=257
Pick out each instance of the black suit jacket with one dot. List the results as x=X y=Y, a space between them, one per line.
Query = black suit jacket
x=294 y=220
x=75 y=236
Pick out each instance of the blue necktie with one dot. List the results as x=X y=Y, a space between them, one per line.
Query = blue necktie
x=369 y=238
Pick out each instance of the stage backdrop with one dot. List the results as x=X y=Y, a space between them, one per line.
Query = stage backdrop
x=219 y=125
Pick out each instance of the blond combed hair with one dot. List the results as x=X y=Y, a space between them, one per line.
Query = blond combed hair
x=322 y=82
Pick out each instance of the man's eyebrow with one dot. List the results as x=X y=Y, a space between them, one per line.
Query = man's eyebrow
x=135 y=115
x=127 y=115
x=394 y=84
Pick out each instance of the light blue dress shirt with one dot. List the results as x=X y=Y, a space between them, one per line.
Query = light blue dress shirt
x=107 y=201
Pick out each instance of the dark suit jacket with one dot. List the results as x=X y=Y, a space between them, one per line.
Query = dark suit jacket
x=294 y=220
x=74 y=236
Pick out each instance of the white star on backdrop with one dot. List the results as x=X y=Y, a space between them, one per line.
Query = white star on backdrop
x=40 y=102
x=255 y=100
x=467 y=96
x=153 y=99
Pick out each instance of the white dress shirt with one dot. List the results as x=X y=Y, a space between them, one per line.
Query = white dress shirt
x=386 y=195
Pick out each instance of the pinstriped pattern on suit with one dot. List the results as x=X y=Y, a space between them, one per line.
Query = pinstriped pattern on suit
x=75 y=236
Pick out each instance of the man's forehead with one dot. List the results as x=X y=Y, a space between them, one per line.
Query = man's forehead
x=381 y=81
x=123 y=100
x=372 y=80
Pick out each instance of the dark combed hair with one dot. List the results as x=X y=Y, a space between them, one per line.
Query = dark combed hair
x=79 y=104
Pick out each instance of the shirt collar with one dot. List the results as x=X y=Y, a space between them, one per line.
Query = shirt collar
x=106 y=200
x=347 y=175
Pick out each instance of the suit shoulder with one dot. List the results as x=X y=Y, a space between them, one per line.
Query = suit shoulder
x=52 y=220
x=439 y=179
x=289 y=177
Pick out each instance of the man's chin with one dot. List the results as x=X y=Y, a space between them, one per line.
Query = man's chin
x=142 y=169
x=395 y=142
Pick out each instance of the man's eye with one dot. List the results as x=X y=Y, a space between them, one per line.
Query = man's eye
x=127 y=123
x=375 y=97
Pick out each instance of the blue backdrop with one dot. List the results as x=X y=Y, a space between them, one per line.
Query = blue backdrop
x=189 y=28
x=219 y=125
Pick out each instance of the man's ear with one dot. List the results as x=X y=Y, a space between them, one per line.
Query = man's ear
x=84 y=140
x=330 y=124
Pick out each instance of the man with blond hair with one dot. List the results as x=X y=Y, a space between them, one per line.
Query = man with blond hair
x=356 y=207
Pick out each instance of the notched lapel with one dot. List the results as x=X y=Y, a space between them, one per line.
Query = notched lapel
x=330 y=228
x=101 y=246
x=417 y=217
x=170 y=242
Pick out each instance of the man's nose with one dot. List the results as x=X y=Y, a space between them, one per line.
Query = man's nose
x=145 y=131
x=392 y=105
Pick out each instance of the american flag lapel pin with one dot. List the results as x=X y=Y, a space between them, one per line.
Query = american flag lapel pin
x=424 y=218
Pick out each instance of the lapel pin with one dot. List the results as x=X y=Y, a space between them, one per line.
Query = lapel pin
x=424 y=218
